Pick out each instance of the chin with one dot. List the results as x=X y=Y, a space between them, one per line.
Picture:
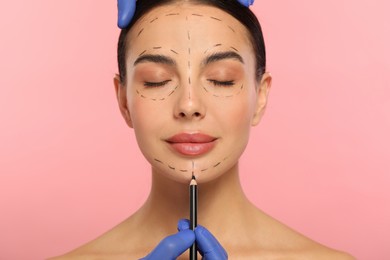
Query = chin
x=204 y=169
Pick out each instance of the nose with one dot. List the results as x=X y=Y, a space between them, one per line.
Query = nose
x=189 y=104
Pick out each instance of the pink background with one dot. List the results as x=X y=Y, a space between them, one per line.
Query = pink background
x=319 y=161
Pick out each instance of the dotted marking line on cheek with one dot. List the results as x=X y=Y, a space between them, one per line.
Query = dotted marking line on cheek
x=156 y=99
x=172 y=91
x=157 y=160
x=226 y=96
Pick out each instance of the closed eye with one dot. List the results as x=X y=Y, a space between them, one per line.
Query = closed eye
x=156 y=84
x=221 y=83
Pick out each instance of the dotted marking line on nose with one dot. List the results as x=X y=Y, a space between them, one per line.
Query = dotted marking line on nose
x=189 y=60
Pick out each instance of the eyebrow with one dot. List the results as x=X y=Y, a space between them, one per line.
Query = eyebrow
x=156 y=59
x=222 y=56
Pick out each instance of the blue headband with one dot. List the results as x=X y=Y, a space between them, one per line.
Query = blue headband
x=126 y=10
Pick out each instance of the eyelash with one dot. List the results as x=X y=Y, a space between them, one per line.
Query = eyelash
x=156 y=84
x=214 y=82
x=221 y=83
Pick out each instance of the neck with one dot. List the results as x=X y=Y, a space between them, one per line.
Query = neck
x=169 y=201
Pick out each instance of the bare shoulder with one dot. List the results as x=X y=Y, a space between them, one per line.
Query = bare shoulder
x=118 y=243
x=320 y=252
x=278 y=241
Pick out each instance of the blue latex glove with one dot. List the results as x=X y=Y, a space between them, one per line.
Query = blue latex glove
x=172 y=246
x=208 y=245
x=126 y=9
x=246 y=3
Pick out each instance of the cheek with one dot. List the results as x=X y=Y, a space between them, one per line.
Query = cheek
x=236 y=114
x=144 y=116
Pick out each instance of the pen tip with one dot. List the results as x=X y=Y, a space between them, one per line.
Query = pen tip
x=193 y=177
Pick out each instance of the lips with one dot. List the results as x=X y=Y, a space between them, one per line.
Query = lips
x=192 y=144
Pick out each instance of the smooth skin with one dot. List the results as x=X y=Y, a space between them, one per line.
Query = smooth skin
x=244 y=231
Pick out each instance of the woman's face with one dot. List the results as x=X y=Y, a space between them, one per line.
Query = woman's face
x=191 y=93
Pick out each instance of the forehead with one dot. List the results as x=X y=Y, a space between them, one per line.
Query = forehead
x=200 y=26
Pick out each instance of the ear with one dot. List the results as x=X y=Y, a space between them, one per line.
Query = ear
x=121 y=96
x=262 y=91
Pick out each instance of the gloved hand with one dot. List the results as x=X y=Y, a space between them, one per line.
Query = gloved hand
x=246 y=3
x=208 y=245
x=126 y=9
x=172 y=246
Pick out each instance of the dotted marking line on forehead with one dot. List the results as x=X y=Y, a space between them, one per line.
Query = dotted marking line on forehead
x=154 y=19
x=189 y=53
x=215 y=45
x=215 y=18
x=139 y=33
x=141 y=53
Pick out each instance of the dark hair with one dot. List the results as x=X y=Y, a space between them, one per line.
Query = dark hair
x=243 y=14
